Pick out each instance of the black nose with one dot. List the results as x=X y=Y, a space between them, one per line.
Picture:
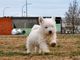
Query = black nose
x=50 y=32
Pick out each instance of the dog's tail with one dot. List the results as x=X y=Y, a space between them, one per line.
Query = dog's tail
x=35 y=27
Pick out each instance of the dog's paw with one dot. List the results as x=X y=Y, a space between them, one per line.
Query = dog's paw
x=46 y=53
x=28 y=52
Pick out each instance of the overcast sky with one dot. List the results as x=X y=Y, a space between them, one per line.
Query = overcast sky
x=35 y=7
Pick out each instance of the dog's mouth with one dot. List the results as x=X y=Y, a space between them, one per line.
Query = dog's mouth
x=53 y=44
x=50 y=32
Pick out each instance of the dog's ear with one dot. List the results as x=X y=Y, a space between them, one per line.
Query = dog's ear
x=40 y=20
x=53 y=18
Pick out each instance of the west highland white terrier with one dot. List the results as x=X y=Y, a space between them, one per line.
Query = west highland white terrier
x=40 y=35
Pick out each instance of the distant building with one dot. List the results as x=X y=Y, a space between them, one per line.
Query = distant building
x=8 y=23
x=58 y=24
x=5 y=25
x=24 y=22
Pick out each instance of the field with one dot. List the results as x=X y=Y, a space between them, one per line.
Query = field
x=13 y=48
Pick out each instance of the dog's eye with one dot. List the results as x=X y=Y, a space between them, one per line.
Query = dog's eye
x=46 y=27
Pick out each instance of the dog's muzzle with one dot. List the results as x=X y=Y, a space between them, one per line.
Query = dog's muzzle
x=53 y=44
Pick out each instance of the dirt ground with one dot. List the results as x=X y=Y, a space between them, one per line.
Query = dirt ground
x=13 y=48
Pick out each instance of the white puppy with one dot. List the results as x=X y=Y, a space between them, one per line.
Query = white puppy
x=40 y=35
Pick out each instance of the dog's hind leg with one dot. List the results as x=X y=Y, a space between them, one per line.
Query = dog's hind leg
x=29 y=47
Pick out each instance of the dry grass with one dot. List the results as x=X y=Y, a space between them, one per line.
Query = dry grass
x=13 y=48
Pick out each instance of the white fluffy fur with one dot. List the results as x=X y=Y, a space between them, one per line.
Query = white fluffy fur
x=39 y=36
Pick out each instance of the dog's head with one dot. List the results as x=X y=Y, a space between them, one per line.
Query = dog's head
x=47 y=25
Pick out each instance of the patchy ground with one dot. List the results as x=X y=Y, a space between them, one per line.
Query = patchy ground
x=13 y=48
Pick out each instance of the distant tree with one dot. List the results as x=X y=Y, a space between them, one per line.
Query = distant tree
x=72 y=15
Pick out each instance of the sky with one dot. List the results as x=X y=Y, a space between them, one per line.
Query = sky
x=34 y=7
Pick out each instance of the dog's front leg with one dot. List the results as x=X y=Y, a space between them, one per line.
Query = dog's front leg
x=44 y=47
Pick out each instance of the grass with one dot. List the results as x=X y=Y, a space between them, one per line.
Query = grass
x=10 y=53
x=68 y=47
